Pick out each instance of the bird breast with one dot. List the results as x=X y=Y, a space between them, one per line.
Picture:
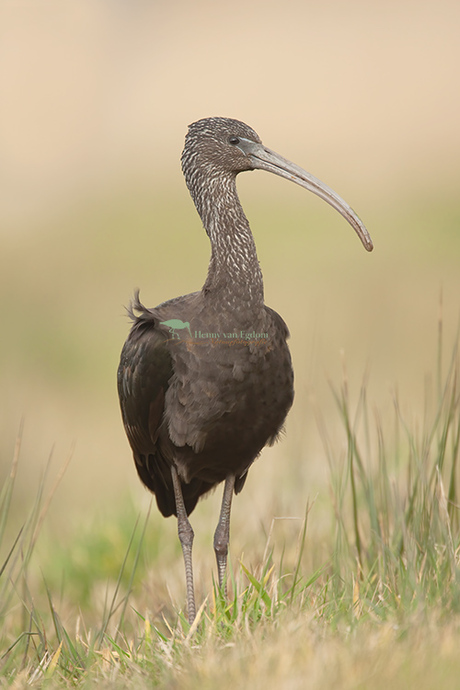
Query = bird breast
x=230 y=393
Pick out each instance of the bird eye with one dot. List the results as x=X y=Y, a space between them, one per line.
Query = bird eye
x=234 y=141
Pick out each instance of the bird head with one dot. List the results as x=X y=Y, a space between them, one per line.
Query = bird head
x=217 y=145
x=220 y=148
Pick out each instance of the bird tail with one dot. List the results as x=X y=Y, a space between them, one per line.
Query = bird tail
x=136 y=306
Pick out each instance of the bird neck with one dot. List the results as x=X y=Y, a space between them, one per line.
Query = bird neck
x=234 y=275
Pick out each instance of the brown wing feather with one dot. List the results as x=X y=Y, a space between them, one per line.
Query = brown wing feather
x=144 y=376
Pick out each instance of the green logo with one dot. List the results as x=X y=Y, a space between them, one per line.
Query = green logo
x=231 y=338
x=176 y=325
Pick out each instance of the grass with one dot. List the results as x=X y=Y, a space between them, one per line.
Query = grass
x=383 y=608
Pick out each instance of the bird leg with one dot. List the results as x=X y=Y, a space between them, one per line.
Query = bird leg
x=185 y=531
x=222 y=533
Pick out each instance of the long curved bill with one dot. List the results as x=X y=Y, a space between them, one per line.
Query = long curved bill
x=265 y=159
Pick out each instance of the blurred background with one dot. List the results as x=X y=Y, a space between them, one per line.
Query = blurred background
x=95 y=102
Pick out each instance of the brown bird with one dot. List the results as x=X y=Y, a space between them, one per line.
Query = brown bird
x=199 y=406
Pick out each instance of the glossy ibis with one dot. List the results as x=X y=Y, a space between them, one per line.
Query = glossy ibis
x=198 y=407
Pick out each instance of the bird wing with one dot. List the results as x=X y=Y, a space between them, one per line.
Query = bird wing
x=145 y=374
x=143 y=378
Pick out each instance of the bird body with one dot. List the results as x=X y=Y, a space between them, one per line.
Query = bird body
x=213 y=403
x=199 y=407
